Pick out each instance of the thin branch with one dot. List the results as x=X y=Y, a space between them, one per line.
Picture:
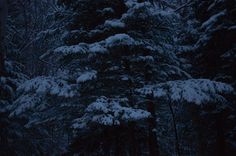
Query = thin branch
x=184 y=5
x=166 y=4
x=51 y=64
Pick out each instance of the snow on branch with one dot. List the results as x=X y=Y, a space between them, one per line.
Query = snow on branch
x=196 y=91
x=208 y=24
x=108 y=112
x=115 y=23
x=97 y=47
x=24 y=103
x=47 y=85
x=86 y=76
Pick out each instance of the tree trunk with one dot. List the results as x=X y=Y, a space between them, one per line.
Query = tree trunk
x=177 y=146
x=220 y=139
x=3 y=17
x=133 y=151
x=152 y=138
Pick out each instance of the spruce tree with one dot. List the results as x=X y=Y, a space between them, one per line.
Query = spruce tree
x=207 y=40
x=125 y=48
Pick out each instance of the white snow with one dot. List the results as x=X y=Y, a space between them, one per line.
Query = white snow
x=149 y=59
x=86 y=76
x=108 y=10
x=174 y=70
x=119 y=39
x=66 y=50
x=24 y=103
x=47 y=85
x=198 y=91
x=124 y=77
x=212 y=20
x=105 y=119
x=232 y=27
x=116 y=23
x=108 y=112
x=97 y=47
x=130 y=3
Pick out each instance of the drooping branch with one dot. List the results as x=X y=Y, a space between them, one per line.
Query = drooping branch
x=184 y=5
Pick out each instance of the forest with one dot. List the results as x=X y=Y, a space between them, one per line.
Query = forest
x=117 y=77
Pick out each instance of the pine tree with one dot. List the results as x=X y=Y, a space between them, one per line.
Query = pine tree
x=216 y=60
x=14 y=137
x=111 y=57
x=209 y=39
x=216 y=43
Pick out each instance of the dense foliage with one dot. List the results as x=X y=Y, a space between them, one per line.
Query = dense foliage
x=121 y=77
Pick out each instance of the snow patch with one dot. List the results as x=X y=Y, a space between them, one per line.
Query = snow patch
x=86 y=76
x=212 y=20
x=114 y=23
x=119 y=39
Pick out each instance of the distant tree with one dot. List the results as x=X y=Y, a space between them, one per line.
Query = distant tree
x=208 y=43
x=215 y=59
x=3 y=19
x=216 y=43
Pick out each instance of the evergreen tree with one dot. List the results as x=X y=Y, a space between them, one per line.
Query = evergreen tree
x=121 y=58
x=140 y=55
x=215 y=59
x=211 y=39
x=216 y=43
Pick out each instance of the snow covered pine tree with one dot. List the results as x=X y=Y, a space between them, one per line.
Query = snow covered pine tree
x=118 y=47
x=215 y=59
x=208 y=42
x=15 y=139
x=216 y=43
x=114 y=56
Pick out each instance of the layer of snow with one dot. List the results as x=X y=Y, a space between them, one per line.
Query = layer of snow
x=114 y=23
x=66 y=50
x=119 y=39
x=47 y=85
x=86 y=76
x=232 y=27
x=130 y=3
x=24 y=103
x=108 y=10
x=212 y=20
x=149 y=59
x=171 y=70
x=196 y=91
x=97 y=47
x=109 y=112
